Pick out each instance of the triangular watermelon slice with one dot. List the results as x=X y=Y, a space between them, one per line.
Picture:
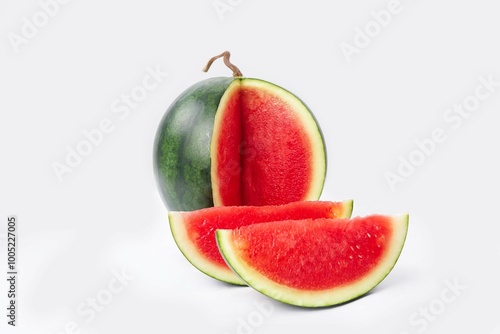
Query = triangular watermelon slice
x=315 y=263
x=194 y=231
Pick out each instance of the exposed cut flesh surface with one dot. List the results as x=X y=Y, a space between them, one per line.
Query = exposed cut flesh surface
x=266 y=147
x=194 y=232
x=226 y=144
x=318 y=262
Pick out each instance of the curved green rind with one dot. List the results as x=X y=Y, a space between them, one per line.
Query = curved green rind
x=347 y=205
x=182 y=146
x=321 y=298
x=194 y=256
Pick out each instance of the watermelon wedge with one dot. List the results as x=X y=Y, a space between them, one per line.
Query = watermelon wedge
x=315 y=263
x=238 y=141
x=194 y=231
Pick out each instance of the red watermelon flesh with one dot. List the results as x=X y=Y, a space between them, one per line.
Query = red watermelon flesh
x=194 y=231
x=317 y=262
x=266 y=148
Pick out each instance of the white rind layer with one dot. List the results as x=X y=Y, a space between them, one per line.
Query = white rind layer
x=197 y=259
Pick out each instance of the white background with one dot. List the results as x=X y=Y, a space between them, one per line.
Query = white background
x=106 y=216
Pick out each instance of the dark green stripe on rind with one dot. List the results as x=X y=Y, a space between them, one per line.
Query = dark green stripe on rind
x=186 y=131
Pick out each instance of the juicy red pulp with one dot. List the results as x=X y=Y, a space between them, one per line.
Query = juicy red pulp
x=201 y=224
x=264 y=156
x=315 y=254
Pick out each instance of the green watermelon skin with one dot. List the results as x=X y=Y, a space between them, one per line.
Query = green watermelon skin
x=182 y=146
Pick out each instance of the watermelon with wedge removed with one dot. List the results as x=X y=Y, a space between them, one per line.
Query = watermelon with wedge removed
x=194 y=231
x=238 y=141
x=315 y=263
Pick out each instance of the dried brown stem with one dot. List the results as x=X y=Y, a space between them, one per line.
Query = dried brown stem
x=232 y=67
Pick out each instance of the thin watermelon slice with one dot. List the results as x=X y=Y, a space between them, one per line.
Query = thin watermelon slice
x=315 y=263
x=194 y=231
